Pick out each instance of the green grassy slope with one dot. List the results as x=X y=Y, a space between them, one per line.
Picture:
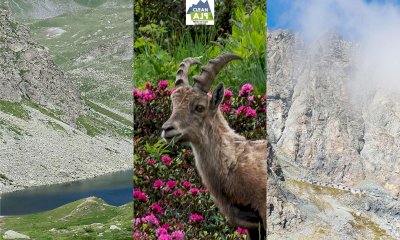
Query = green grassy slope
x=88 y=218
x=92 y=46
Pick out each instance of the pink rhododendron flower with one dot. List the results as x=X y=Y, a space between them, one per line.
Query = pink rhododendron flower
x=177 y=235
x=250 y=98
x=241 y=231
x=171 y=184
x=246 y=111
x=240 y=110
x=148 y=95
x=150 y=219
x=140 y=195
x=137 y=221
x=137 y=235
x=151 y=161
x=165 y=225
x=250 y=112
x=164 y=237
x=195 y=218
x=137 y=93
x=163 y=84
x=161 y=231
x=166 y=160
x=194 y=191
x=178 y=193
x=156 y=208
x=186 y=184
x=228 y=94
x=246 y=89
x=158 y=183
x=224 y=107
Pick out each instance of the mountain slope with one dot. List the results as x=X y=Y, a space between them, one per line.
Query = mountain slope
x=322 y=132
x=49 y=133
x=27 y=10
x=27 y=71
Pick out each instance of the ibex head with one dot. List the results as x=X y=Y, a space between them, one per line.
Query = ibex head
x=191 y=106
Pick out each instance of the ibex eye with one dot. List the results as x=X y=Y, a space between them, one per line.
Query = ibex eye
x=199 y=108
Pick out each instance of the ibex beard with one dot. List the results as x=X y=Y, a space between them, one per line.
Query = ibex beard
x=232 y=168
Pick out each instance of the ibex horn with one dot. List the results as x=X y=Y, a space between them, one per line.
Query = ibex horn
x=204 y=80
x=182 y=74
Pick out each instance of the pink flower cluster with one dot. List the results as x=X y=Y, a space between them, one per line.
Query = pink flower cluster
x=186 y=184
x=195 y=218
x=150 y=93
x=158 y=183
x=246 y=111
x=163 y=84
x=166 y=160
x=246 y=89
x=226 y=106
x=228 y=94
x=194 y=191
x=140 y=195
x=149 y=219
x=162 y=234
x=178 y=193
x=171 y=184
x=151 y=161
x=144 y=96
x=156 y=208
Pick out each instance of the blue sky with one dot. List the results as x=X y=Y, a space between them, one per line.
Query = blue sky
x=281 y=12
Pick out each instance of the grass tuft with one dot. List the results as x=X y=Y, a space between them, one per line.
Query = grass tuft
x=14 y=108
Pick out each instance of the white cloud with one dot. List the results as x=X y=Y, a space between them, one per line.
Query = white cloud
x=375 y=26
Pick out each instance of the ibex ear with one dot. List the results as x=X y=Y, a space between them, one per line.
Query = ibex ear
x=217 y=97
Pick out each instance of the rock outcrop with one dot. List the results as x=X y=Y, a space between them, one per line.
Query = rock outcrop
x=281 y=214
x=27 y=71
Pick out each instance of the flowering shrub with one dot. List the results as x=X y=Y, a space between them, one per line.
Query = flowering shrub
x=169 y=199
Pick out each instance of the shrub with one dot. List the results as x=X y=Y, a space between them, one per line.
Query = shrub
x=169 y=199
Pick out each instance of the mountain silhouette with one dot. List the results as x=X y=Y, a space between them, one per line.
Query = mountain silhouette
x=200 y=4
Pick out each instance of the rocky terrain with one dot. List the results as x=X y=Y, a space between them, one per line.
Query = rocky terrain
x=336 y=144
x=51 y=128
x=27 y=71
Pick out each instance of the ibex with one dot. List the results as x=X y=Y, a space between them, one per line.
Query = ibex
x=232 y=168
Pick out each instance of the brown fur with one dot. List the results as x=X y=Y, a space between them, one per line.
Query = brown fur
x=232 y=168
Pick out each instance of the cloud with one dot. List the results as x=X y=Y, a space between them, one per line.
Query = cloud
x=374 y=25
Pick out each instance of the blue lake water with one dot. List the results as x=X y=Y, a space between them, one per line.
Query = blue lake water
x=115 y=189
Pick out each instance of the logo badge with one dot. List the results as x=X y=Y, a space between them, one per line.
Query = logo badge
x=199 y=12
